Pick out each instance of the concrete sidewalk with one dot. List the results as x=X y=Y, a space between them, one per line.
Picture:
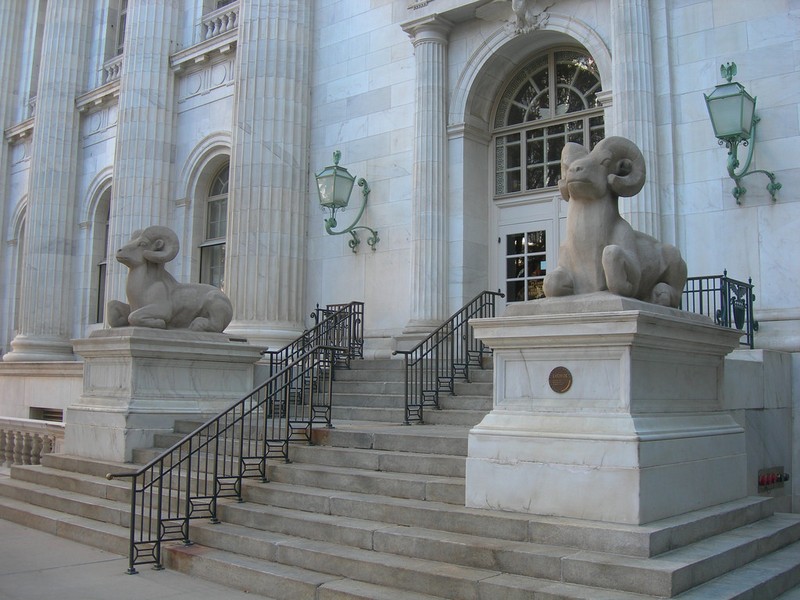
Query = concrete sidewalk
x=38 y=566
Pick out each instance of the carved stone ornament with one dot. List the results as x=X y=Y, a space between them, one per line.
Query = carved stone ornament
x=530 y=14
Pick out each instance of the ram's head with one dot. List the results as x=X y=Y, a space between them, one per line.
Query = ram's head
x=155 y=244
x=614 y=167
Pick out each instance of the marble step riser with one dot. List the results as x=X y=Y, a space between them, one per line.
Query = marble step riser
x=69 y=529
x=273 y=580
x=480 y=383
x=375 y=509
x=84 y=507
x=460 y=388
x=403 y=573
x=189 y=561
x=393 y=442
x=377 y=364
x=506 y=526
x=463 y=418
x=348 y=376
x=407 y=456
x=555 y=563
x=87 y=466
x=731 y=551
x=370 y=461
x=67 y=481
x=392 y=486
x=487 y=553
x=445 y=466
x=446 y=401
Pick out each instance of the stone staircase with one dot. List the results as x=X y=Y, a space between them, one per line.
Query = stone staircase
x=374 y=510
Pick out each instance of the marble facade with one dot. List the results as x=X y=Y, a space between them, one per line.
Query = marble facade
x=407 y=90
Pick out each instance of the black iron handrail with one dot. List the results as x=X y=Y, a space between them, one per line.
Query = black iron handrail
x=348 y=331
x=446 y=354
x=185 y=481
x=728 y=301
x=340 y=325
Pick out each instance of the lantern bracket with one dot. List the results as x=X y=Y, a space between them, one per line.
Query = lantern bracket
x=732 y=112
x=330 y=222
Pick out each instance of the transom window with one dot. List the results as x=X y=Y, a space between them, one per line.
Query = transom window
x=212 y=250
x=553 y=100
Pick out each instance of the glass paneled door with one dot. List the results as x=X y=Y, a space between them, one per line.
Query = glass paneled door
x=525 y=251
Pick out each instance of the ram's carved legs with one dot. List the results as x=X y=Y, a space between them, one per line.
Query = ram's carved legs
x=117 y=313
x=623 y=273
x=559 y=282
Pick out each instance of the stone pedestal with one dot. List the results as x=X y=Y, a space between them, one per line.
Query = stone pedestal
x=605 y=408
x=137 y=381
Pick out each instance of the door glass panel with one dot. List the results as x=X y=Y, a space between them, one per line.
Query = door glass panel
x=526 y=265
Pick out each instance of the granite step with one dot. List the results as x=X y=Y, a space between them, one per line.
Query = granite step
x=449 y=440
x=380 y=460
x=89 y=466
x=665 y=575
x=767 y=577
x=630 y=540
x=408 y=575
x=432 y=416
x=357 y=373
x=91 y=485
x=67 y=502
x=89 y=531
x=274 y=579
x=436 y=488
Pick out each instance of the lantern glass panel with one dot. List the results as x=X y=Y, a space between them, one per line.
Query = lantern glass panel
x=731 y=110
x=334 y=185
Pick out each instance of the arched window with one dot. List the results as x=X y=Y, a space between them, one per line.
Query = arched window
x=212 y=249
x=100 y=256
x=551 y=101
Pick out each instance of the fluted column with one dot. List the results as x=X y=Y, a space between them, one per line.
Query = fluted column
x=12 y=26
x=429 y=276
x=45 y=312
x=634 y=103
x=265 y=258
x=144 y=141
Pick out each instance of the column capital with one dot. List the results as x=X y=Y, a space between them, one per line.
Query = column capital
x=433 y=28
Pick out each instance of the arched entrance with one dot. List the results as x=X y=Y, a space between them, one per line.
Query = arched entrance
x=550 y=101
x=517 y=101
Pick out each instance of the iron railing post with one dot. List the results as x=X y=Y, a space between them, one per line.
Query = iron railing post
x=430 y=365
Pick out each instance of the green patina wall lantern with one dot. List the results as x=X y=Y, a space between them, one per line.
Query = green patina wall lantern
x=733 y=117
x=334 y=185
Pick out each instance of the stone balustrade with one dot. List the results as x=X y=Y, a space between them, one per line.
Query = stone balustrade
x=221 y=20
x=112 y=69
x=24 y=441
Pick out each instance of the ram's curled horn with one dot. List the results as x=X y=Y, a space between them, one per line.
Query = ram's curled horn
x=164 y=244
x=627 y=171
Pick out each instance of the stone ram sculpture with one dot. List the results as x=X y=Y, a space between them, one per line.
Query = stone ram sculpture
x=602 y=251
x=155 y=298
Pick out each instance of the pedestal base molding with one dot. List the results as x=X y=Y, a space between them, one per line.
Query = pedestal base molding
x=138 y=381
x=608 y=409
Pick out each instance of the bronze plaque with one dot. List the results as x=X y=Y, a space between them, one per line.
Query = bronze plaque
x=560 y=380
